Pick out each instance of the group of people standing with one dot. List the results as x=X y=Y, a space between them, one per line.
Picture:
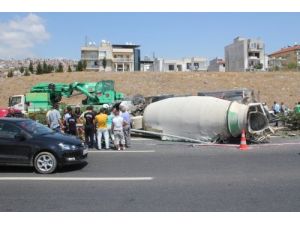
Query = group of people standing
x=109 y=124
x=279 y=108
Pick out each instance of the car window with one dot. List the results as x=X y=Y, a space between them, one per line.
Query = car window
x=8 y=130
x=34 y=128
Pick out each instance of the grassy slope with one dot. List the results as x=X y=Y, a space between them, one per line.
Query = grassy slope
x=281 y=86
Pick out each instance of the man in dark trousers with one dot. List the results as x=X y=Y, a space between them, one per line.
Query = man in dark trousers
x=89 y=126
x=71 y=123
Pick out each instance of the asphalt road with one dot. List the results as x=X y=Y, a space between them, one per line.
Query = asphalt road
x=163 y=176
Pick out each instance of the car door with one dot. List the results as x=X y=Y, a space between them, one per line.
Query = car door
x=13 y=150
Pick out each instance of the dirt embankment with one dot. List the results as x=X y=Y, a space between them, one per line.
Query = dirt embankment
x=279 y=86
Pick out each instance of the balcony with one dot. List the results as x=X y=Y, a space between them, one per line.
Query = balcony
x=123 y=60
x=106 y=57
x=89 y=58
x=253 y=58
x=89 y=67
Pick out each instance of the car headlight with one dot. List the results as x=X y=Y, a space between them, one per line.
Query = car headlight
x=67 y=147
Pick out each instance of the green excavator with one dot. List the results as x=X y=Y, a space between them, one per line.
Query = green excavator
x=43 y=95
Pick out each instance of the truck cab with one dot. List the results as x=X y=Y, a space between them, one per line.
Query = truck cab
x=18 y=102
x=31 y=102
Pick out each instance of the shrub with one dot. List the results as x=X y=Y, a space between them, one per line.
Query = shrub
x=10 y=73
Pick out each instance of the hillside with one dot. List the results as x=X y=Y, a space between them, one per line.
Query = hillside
x=280 y=86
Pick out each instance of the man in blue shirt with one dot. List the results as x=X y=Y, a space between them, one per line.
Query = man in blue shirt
x=276 y=108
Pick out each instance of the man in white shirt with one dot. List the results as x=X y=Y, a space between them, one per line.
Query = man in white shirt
x=126 y=129
x=117 y=127
x=54 y=119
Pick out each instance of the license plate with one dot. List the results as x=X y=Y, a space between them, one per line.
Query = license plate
x=85 y=151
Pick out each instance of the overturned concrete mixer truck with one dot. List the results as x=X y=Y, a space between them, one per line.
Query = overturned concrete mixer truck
x=203 y=119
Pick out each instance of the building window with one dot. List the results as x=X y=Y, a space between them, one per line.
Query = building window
x=89 y=55
x=171 y=67
x=188 y=66
x=102 y=54
x=253 y=45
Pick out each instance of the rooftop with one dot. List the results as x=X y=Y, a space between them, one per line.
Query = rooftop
x=95 y=47
x=125 y=46
x=288 y=49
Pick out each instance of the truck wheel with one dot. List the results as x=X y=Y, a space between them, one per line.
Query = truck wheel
x=45 y=163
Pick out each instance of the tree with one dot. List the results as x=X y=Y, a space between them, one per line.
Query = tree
x=60 y=68
x=258 y=66
x=26 y=73
x=22 y=69
x=104 y=63
x=50 y=68
x=84 y=65
x=45 y=67
x=79 y=66
x=69 y=69
x=10 y=73
x=30 y=68
x=39 y=69
x=292 y=65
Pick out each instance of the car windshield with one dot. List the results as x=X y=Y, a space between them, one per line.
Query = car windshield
x=34 y=127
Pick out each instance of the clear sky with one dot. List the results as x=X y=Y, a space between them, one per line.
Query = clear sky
x=169 y=35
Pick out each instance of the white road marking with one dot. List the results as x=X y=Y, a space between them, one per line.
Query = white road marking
x=254 y=145
x=277 y=144
x=76 y=178
x=125 y=151
x=141 y=139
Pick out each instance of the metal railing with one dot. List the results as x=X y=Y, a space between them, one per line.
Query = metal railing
x=123 y=60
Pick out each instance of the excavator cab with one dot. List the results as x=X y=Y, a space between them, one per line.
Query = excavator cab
x=99 y=93
x=105 y=92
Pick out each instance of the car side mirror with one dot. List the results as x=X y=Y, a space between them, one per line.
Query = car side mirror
x=20 y=137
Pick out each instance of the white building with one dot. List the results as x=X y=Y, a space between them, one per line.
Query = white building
x=184 y=64
x=216 y=65
x=118 y=57
x=147 y=64
x=244 y=55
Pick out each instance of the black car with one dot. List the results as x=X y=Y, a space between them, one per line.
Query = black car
x=26 y=142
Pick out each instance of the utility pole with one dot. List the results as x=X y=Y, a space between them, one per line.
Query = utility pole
x=86 y=40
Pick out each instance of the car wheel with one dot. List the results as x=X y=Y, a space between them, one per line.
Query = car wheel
x=45 y=162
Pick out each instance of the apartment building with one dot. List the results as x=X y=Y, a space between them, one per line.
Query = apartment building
x=245 y=54
x=285 y=58
x=177 y=65
x=216 y=65
x=111 y=57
